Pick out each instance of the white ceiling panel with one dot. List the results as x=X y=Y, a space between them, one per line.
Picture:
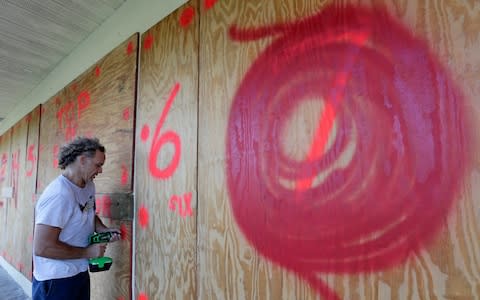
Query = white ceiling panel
x=35 y=35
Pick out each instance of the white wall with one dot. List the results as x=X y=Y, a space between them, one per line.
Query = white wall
x=133 y=16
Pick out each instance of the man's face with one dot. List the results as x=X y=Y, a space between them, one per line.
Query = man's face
x=93 y=165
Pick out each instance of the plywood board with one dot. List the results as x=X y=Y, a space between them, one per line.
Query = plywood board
x=166 y=159
x=99 y=103
x=116 y=282
x=229 y=268
x=29 y=186
x=6 y=190
x=271 y=153
x=18 y=234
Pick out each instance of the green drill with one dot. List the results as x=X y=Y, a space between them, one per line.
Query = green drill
x=100 y=263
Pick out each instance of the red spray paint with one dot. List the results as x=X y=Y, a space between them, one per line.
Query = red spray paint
x=3 y=166
x=390 y=99
x=187 y=16
x=32 y=159
x=182 y=204
x=161 y=139
x=148 y=42
x=130 y=48
x=143 y=217
x=103 y=206
x=124 y=179
x=207 y=4
x=56 y=150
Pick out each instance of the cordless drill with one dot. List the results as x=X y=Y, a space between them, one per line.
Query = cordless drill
x=100 y=263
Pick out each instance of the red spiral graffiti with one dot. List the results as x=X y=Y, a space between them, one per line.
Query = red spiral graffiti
x=389 y=100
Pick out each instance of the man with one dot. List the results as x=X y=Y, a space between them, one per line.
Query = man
x=64 y=219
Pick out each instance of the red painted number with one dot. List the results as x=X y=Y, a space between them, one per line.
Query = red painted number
x=160 y=139
x=66 y=114
x=31 y=158
x=3 y=167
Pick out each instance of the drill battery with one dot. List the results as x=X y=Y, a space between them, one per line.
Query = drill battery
x=99 y=264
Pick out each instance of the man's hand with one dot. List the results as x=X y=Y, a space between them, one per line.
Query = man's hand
x=100 y=227
x=116 y=235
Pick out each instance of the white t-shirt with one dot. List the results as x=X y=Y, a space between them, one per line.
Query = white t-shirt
x=71 y=208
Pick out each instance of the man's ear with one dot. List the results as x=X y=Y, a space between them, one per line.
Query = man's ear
x=82 y=159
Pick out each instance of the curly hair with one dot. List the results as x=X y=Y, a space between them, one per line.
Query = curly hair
x=80 y=145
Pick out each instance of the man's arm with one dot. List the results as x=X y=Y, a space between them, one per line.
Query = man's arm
x=46 y=243
x=99 y=226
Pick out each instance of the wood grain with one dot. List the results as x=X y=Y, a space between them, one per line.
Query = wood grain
x=99 y=103
x=116 y=282
x=205 y=255
x=165 y=259
x=229 y=268
x=5 y=183
x=17 y=236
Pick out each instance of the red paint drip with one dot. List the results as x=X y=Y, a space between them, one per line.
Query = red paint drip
x=397 y=157
x=148 y=42
x=327 y=118
x=130 y=48
x=145 y=133
x=97 y=71
x=32 y=159
x=103 y=206
x=66 y=119
x=124 y=232
x=160 y=139
x=187 y=16
x=56 y=149
x=126 y=114
x=124 y=175
x=142 y=296
x=143 y=217
x=83 y=102
x=207 y=4
x=3 y=167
